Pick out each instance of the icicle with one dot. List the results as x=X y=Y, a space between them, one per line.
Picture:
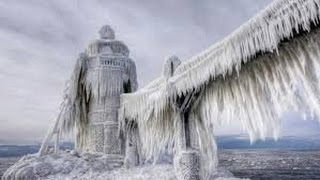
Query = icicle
x=256 y=96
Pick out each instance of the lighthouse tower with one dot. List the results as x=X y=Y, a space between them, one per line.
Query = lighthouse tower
x=110 y=72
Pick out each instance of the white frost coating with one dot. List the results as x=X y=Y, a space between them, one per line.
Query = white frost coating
x=256 y=96
x=265 y=88
x=263 y=33
x=99 y=83
x=57 y=126
x=248 y=77
x=92 y=96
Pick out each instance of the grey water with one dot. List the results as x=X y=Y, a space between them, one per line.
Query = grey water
x=262 y=164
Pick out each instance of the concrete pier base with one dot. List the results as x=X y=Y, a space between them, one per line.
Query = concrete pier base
x=131 y=158
x=187 y=165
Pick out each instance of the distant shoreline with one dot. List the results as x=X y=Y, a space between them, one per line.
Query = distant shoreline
x=224 y=143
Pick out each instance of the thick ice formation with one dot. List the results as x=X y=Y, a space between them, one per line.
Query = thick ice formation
x=67 y=164
x=92 y=97
x=252 y=76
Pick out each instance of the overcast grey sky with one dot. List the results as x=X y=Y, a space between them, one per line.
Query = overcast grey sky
x=40 y=40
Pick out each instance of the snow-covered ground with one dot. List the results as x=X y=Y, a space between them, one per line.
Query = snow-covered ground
x=253 y=164
x=87 y=166
x=6 y=162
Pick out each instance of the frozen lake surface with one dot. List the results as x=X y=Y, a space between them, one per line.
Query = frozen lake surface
x=256 y=164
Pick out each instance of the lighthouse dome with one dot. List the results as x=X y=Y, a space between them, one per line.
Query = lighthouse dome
x=107 y=44
x=106 y=32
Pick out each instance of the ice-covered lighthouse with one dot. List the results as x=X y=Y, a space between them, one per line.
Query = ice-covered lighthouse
x=92 y=99
x=109 y=73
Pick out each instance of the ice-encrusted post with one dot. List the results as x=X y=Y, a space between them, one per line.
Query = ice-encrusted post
x=132 y=147
x=187 y=156
x=54 y=130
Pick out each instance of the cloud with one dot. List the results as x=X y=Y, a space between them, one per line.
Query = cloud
x=40 y=40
